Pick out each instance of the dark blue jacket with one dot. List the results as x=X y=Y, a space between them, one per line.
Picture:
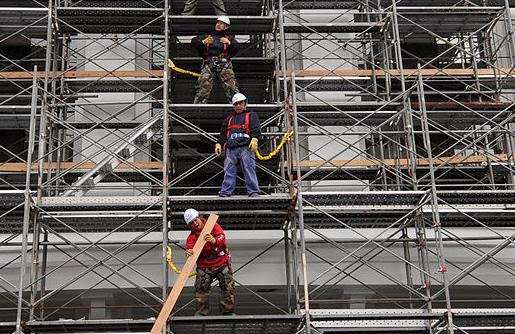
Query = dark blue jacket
x=215 y=49
x=255 y=129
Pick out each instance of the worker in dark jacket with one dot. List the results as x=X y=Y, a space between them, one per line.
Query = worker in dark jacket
x=214 y=262
x=216 y=49
x=239 y=135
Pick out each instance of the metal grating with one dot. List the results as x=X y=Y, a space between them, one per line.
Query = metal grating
x=267 y=324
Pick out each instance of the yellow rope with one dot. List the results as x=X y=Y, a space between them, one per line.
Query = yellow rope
x=171 y=264
x=287 y=136
x=170 y=64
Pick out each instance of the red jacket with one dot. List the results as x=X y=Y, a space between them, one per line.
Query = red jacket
x=212 y=255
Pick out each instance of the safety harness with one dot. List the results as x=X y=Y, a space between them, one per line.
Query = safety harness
x=245 y=126
x=225 y=50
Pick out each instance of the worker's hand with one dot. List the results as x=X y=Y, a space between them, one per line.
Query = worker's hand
x=218 y=149
x=253 y=146
x=208 y=40
x=188 y=252
x=225 y=40
x=209 y=238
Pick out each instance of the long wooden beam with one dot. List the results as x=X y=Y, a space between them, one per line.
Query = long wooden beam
x=453 y=161
x=162 y=318
x=350 y=72
x=17 y=75
x=20 y=167
x=342 y=72
x=462 y=105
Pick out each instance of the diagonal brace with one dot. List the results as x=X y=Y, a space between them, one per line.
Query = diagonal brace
x=112 y=159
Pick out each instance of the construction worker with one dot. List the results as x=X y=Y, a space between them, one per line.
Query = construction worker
x=217 y=49
x=190 y=7
x=214 y=262
x=239 y=136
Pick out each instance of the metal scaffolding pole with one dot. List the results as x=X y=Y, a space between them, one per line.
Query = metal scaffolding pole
x=166 y=147
x=435 y=206
x=300 y=209
x=407 y=116
x=45 y=108
x=509 y=26
x=27 y=209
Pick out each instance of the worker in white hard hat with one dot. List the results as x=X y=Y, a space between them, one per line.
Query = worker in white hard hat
x=216 y=49
x=190 y=7
x=213 y=263
x=239 y=136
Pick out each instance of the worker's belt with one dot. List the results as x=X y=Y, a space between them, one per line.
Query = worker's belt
x=239 y=135
x=217 y=63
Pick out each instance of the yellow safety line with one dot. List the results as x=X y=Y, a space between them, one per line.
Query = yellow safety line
x=286 y=138
x=171 y=264
x=170 y=64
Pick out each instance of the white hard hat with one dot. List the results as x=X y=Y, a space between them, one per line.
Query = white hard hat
x=238 y=97
x=190 y=215
x=224 y=19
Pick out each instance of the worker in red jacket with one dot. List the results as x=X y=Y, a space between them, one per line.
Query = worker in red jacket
x=214 y=262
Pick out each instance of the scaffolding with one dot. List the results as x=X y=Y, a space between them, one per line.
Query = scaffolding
x=402 y=153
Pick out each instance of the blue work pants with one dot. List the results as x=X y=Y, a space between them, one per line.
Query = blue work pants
x=247 y=160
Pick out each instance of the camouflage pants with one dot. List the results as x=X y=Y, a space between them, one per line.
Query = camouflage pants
x=190 y=7
x=205 y=277
x=207 y=77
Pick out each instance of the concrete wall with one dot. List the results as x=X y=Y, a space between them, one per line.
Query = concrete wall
x=269 y=269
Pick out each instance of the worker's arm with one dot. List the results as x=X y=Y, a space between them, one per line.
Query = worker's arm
x=220 y=240
x=219 y=235
x=234 y=47
x=255 y=126
x=196 y=43
x=190 y=242
x=222 y=138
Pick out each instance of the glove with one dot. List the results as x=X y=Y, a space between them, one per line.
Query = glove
x=208 y=40
x=218 y=149
x=209 y=238
x=225 y=40
x=253 y=145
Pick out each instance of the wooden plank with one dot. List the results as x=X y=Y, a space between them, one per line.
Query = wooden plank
x=17 y=75
x=341 y=72
x=350 y=72
x=181 y=280
x=459 y=106
x=456 y=160
x=18 y=167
